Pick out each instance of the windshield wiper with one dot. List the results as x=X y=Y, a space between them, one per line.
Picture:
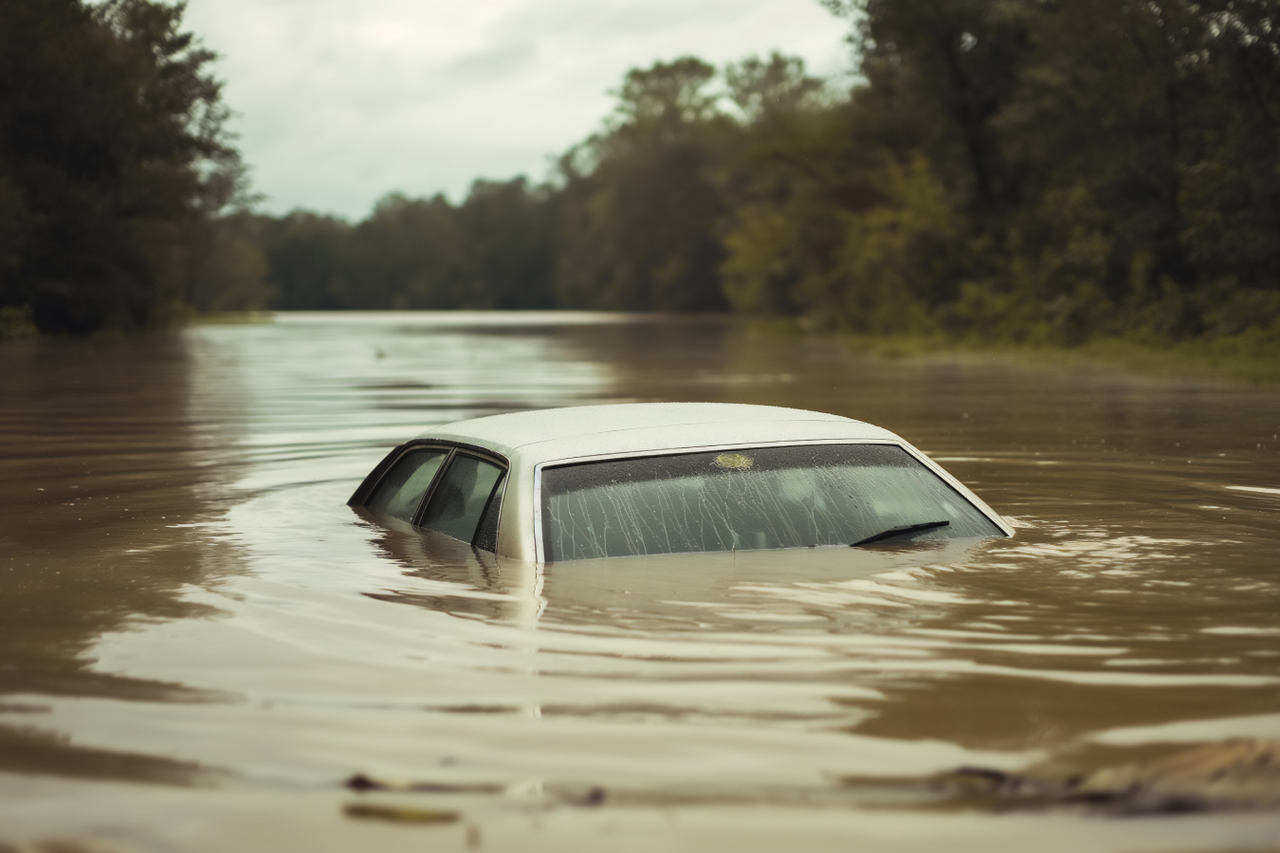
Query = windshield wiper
x=901 y=530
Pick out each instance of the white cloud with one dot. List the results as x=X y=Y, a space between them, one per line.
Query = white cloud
x=341 y=102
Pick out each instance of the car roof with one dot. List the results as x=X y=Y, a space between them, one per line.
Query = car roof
x=581 y=431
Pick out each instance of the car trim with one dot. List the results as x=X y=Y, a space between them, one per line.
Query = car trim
x=538 y=551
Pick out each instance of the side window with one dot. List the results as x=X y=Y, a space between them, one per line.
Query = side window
x=401 y=490
x=460 y=499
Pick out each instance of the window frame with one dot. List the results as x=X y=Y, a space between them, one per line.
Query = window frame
x=452 y=449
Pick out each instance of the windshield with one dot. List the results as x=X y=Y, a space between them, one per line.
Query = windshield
x=770 y=497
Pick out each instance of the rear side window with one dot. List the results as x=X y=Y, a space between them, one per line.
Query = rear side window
x=775 y=497
x=400 y=492
x=459 y=501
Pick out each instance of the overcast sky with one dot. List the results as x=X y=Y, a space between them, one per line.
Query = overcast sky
x=342 y=101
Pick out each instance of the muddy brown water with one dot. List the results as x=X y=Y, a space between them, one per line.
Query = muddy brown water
x=200 y=643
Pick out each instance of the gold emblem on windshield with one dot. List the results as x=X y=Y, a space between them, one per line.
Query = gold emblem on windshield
x=734 y=461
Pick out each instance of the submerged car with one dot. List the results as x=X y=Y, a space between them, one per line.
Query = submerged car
x=660 y=478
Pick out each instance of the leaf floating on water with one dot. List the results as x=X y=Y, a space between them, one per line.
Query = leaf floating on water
x=399 y=814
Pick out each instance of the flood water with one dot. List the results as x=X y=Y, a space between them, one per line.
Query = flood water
x=200 y=643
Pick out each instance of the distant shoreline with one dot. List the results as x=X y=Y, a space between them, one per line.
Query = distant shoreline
x=1243 y=358
x=1235 y=358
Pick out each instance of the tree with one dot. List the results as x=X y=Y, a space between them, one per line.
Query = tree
x=411 y=254
x=1230 y=187
x=785 y=180
x=1162 y=113
x=772 y=90
x=114 y=162
x=305 y=255
x=1113 y=165
x=639 y=206
x=233 y=274
x=948 y=67
x=512 y=230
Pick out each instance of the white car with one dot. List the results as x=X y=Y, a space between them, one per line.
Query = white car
x=660 y=478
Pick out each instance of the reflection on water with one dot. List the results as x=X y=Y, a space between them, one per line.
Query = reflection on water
x=102 y=476
x=189 y=600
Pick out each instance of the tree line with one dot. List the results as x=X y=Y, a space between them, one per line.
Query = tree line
x=1029 y=170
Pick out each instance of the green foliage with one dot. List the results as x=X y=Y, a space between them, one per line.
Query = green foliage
x=1046 y=284
x=1034 y=172
x=639 y=205
x=114 y=163
x=761 y=260
x=495 y=250
x=407 y=254
x=16 y=323
x=943 y=70
x=894 y=256
x=775 y=92
x=233 y=276
x=304 y=254
x=1112 y=168
x=511 y=228
x=782 y=185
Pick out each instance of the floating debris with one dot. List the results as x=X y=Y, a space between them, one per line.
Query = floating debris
x=593 y=795
x=398 y=814
x=57 y=845
x=1231 y=775
x=360 y=782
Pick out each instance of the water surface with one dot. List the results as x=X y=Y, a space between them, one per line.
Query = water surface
x=199 y=641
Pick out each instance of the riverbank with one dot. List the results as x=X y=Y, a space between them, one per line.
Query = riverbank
x=1253 y=359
